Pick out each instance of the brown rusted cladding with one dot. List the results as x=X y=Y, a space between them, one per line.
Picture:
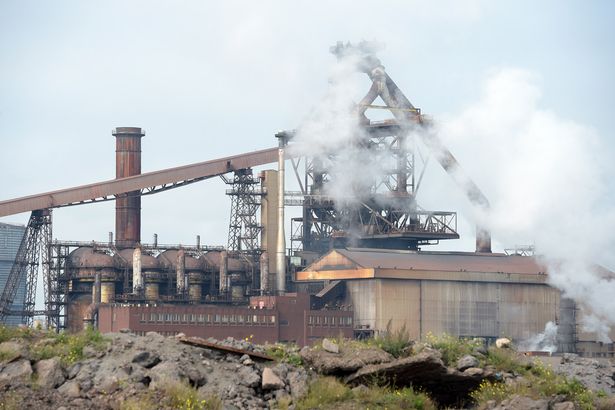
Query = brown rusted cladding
x=128 y=207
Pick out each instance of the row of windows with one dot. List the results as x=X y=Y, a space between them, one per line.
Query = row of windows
x=329 y=321
x=207 y=318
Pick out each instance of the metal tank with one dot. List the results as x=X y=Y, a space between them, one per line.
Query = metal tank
x=195 y=274
x=83 y=265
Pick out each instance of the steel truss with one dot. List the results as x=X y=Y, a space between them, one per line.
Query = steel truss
x=34 y=251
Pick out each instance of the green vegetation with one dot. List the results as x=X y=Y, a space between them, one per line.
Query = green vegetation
x=539 y=381
x=330 y=393
x=286 y=353
x=173 y=396
x=396 y=343
x=47 y=344
x=452 y=348
x=68 y=347
x=10 y=401
x=183 y=397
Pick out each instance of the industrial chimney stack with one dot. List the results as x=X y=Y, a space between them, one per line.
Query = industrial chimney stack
x=128 y=207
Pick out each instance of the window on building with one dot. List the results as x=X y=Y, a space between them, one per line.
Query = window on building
x=216 y=318
x=240 y=318
x=224 y=318
x=201 y=318
x=153 y=317
x=143 y=317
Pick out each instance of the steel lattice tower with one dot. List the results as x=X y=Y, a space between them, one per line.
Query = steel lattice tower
x=244 y=229
x=34 y=250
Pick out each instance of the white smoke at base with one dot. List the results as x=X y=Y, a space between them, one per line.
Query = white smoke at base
x=542 y=342
x=547 y=180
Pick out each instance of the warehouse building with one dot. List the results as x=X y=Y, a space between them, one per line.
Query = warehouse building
x=457 y=293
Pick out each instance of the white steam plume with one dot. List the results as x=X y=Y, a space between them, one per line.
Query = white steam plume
x=333 y=128
x=546 y=179
x=542 y=342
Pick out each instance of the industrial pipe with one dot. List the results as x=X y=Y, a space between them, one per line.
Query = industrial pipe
x=223 y=285
x=128 y=206
x=280 y=261
x=264 y=264
x=180 y=270
x=137 y=277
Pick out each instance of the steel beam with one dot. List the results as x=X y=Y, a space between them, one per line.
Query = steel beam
x=150 y=181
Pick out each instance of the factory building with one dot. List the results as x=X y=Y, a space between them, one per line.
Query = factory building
x=457 y=293
x=11 y=236
x=267 y=319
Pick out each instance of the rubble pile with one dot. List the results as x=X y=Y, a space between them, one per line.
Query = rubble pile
x=129 y=371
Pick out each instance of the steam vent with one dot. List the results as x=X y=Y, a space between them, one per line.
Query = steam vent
x=353 y=264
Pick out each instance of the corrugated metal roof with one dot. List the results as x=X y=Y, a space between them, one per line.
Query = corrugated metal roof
x=444 y=261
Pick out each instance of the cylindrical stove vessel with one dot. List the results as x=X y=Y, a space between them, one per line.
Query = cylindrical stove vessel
x=195 y=285
x=107 y=292
x=237 y=291
x=152 y=291
x=128 y=207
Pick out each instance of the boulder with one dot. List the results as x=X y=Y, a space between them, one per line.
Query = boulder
x=427 y=371
x=146 y=359
x=566 y=405
x=16 y=370
x=466 y=362
x=503 y=343
x=330 y=346
x=349 y=360
x=50 y=372
x=270 y=380
x=474 y=371
x=248 y=377
x=70 y=389
x=298 y=382
x=12 y=350
x=517 y=402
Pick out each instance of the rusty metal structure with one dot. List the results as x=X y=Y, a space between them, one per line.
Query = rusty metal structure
x=244 y=229
x=128 y=206
x=386 y=213
x=79 y=277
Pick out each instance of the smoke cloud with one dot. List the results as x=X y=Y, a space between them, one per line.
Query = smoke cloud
x=545 y=176
x=542 y=342
x=547 y=180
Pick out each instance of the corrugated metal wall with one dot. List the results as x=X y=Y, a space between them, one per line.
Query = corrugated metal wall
x=456 y=308
x=10 y=239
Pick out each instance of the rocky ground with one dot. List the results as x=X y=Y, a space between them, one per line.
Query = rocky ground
x=125 y=371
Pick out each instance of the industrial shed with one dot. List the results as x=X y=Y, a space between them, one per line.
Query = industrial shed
x=458 y=293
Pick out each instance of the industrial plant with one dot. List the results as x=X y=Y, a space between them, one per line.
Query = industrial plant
x=354 y=267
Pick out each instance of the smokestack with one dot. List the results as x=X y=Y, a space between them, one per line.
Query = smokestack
x=280 y=257
x=128 y=207
x=137 y=278
x=223 y=286
x=264 y=263
x=180 y=269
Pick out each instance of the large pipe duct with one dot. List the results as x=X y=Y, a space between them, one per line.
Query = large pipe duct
x=280 y=261
x=137 y=277
x=128 y=206
x=264 y=265
x=180 y=270
x=223 y=285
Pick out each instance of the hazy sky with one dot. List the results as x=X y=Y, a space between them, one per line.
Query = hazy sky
x=211 y=79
